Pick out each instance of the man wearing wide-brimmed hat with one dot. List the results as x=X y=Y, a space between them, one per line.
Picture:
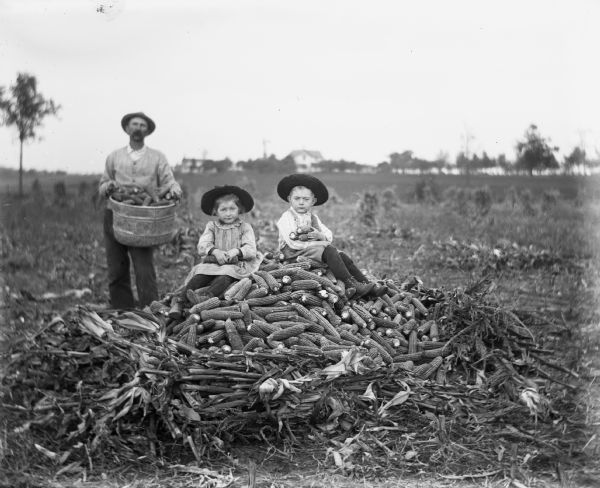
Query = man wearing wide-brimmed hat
x=134 y=165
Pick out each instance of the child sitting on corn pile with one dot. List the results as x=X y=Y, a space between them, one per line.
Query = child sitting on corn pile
x=227 y=245
x=301 y=233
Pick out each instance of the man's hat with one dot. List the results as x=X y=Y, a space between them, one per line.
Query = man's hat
x=210 y=197
x=315 y=185
x=126 y=118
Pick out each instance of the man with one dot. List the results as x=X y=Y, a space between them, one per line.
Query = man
x=133 y=165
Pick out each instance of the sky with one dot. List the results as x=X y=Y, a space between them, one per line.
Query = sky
x=355 y=80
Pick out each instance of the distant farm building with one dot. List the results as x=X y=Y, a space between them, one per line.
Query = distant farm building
x=191 y=165
x=304 y=159
x=198 y=165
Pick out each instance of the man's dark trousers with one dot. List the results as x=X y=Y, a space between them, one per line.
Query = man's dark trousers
x=119 y=281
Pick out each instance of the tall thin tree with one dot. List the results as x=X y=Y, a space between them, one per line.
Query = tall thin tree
x=25 y=108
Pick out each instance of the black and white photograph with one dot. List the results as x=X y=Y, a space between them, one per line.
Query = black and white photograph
x=293 y=244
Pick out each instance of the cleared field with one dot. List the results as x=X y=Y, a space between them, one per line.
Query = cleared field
x=545 y=265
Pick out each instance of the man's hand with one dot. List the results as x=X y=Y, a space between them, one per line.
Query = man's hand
x=316 y=236
x=231 y=254
x=175 y=193
x=220 y=256
x=112 y=187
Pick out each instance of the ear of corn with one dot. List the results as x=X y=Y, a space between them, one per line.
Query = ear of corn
x=433 y=366
x=328 y=328
x=330 y=314
x=270 y=280
x=433 y=332
x=267 y=327
x=412 y=342
x=305 y=285
x=286 y=333
x=348 y=336
x=364 y=314
x=304 y=340
x=298 y=264
x=259 y=280
x=383 y=322
x=264 y=311
x=245 y=309
x=409 y=326
x=385 y=355
x=191 y=336
x=218 y=314
x=243 y=290
x=315 y=327
x=383 y=343
x=424 y=327
x=310 y=300
x=408 y=357
x=268 y=300
x=356 y=318
x=432 y=344
x=279 y=316
x=324 y=281
x=239 y=325
x=233 y=290
x=257 y=293
x=208 y=304
x=419 y=306
x=211 y=337
x=303 y=311
x=253 y=344
x=256 y=330
x=376 y=308
x=269 y=266
x=233 y=336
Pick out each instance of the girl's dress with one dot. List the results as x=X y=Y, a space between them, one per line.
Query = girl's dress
x=225 y=237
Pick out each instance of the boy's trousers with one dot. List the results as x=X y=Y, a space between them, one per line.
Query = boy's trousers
x=119 y=281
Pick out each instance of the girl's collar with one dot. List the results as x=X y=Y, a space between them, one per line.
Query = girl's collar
x=235 y=223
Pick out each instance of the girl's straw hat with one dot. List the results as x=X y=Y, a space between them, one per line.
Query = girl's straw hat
x=208 y=199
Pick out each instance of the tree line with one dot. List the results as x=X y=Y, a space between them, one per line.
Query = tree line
x=533 y=154
x=25 y=108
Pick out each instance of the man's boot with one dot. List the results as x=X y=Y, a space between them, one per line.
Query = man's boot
x=360 y=289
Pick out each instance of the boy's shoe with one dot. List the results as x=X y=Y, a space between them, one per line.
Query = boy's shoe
x=360 y=289
x=379 y=290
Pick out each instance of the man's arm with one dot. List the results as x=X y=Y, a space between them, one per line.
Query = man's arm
x=166 y=180
x=108 y=178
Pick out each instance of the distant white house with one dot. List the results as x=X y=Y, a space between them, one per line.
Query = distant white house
x=191 y=165
x=304 y=158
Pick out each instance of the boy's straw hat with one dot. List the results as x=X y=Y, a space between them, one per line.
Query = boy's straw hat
x=126 y=118
x=315 y=185
x=208 y=199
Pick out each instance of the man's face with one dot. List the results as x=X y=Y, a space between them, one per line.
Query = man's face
x=301 y=199
x=137 y=128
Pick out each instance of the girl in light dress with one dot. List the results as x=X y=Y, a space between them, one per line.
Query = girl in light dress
x=227 y=245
